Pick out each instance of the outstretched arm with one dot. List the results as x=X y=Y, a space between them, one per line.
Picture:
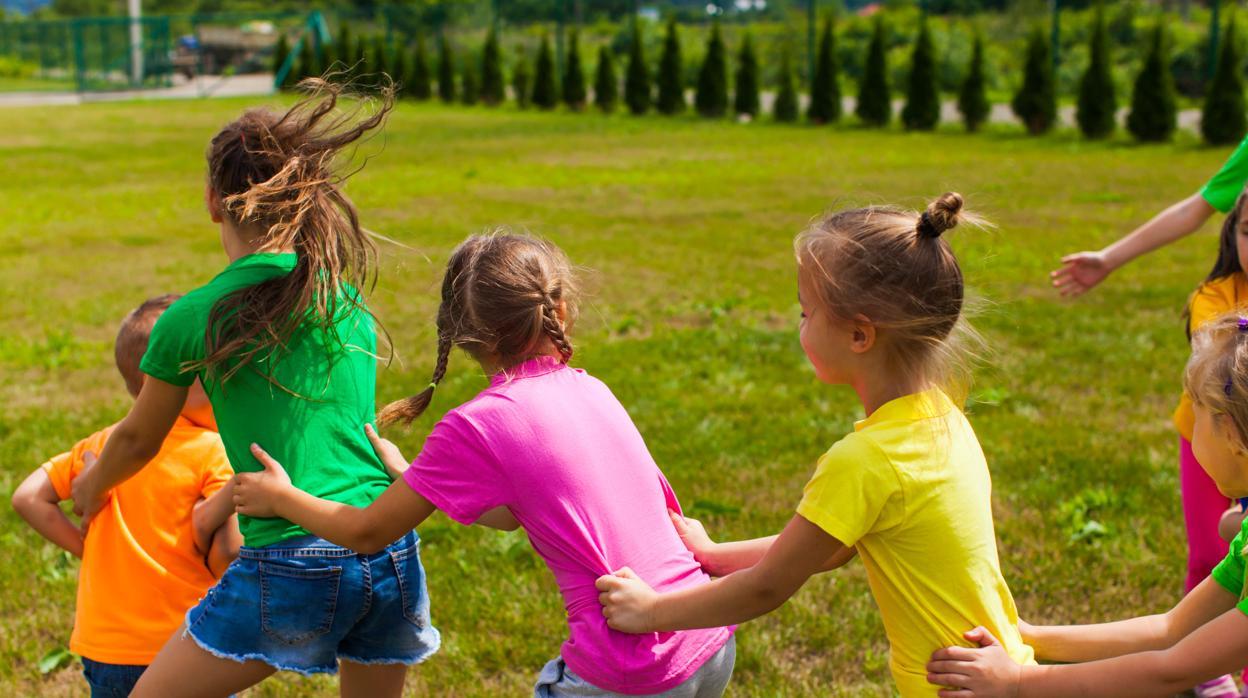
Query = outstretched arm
x=720 y=559
x=800 y=551
x=1081 y=271
x=36 y=501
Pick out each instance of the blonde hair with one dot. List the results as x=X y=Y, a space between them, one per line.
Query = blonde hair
x=894 y=267
x=1216 y=377
x=502 y=296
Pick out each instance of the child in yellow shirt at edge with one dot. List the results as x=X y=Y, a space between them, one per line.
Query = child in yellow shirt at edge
x=881 y=295
x=157 y=545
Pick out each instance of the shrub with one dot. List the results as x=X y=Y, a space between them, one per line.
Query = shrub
x=745 y=98
x=785 y=108
x=1222 y=122
x=574 y=76
x=545 y=94
x=875 y=107
x=637 y=79
x=1035 y=104
x=493 y=91
x=671 y=77
x=1153 y=111
x=825 y=88
x=1098 y=105
x=446 y=70
x=712 y=98
x=606 y=85
x=973 y=96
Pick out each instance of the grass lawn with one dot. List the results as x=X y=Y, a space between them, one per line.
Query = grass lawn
x=684 y=232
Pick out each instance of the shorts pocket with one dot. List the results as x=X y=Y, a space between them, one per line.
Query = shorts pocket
x=411 y=577
x=297 y=603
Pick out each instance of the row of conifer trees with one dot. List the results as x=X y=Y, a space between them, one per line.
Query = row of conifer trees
x=1152 y=115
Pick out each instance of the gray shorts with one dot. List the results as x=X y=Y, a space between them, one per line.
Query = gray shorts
x=558 y=681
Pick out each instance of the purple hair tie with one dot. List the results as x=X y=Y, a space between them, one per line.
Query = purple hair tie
x=1243 y=324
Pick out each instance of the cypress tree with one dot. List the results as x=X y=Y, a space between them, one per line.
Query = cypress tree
x=419 y=78
x=973 y=97
x=711 y=100
x=637 y=79
x=785 y=108
x=1097 y=104
x=1153 y=110
x=470 y=89
x=874 y=106
x=922 y=110
x=545 y=95
x=446 y=70
x=383 y=64
x=280 y=52
x=493 y=91
x=574 y=75
x=1223 y=122
x=401 y=68
x=358 y=56
x=671 y=77
x=825 y=88
x=745 y=98
x=1036 y=101
x=606 y=86
x=345 y=51
x=307 y=67
x=521 y=78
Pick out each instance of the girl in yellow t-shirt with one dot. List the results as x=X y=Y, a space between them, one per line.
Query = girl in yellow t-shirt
x=909 y=491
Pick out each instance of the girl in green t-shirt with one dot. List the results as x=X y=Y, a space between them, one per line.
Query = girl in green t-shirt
x=286 y=349
x=1204 y=636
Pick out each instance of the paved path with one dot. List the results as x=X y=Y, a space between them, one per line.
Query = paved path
x=209 y=86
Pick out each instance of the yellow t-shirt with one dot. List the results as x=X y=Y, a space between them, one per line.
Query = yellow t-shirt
x=140 y=569
x=1210 y=301
x=910 y=489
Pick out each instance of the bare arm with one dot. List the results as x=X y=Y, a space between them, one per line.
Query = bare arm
x=720 y=559
x=1081 y=643
x=800 y=551
x=134 y=442
x=224 y=547
x=210 y=514
x=1083 y=270
x=36 y=501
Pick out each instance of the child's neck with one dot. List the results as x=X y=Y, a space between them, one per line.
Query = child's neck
x=875 y=391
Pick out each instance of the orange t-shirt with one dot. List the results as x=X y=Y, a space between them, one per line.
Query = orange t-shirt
x=140 y=568
x=1210 y=301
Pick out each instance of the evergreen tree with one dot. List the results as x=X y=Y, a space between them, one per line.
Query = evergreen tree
x=1097 y=106
x=382 y=66
x=1153 y=111
x=521 y=79
x=973 y=97
x=470 y=89
x=1036 y=101
x=307 y=67
x=419 y=77
x=825 y=88
x=574 y=75
x=401 y=68
x=545 y=94
x=344 y=52
x=745 y=97
x=922 y=110
x=1223 y=122
x=671 y=77
x=711 y=100
x=606 y=85
x=637 y=79
x=280 y=52
x=446 y=70
x=875 y=106
x=493 y=89
x=785 y=108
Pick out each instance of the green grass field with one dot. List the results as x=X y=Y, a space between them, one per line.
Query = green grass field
x=683 y=230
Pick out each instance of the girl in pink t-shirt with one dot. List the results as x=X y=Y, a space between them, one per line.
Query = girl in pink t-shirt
x=546 y=447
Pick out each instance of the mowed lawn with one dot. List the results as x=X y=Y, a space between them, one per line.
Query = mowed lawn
x=682 y=230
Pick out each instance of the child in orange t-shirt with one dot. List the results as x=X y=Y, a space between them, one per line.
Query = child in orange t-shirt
x=156 y=546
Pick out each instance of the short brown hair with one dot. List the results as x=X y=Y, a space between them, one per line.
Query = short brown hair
x=894 y=267
x=1217 y=372
x=500 y=296
x=132 y=338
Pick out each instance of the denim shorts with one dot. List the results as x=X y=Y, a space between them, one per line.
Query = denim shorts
x=111 y=680
x=302 y=604
x=710 y=680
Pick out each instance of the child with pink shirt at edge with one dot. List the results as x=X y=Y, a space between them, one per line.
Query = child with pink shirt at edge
x=547 y=447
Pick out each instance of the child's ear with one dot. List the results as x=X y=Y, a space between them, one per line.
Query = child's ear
x=862 y=338
x=561 y=312
x=213 y=202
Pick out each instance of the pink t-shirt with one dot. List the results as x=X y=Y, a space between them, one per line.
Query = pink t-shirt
x=554 y=446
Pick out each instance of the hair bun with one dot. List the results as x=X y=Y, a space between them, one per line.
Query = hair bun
x=941 y=215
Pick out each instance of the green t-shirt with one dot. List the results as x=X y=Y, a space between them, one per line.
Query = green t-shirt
x=1230 y=572
x=1224 y=188
x=317 y=433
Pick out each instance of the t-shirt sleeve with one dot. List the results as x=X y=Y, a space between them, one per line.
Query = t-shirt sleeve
x=854 y=491
x=217 y=470
x=177 y=337
x=1210 y=301
x=457 y=471
x=1230 y=572
x=1225 y=186
x=64 y=467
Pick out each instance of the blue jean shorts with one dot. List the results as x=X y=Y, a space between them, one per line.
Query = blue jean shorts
x=111 y=680
x=303 y=604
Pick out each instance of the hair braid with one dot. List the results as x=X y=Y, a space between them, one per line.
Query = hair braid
x=552 y=327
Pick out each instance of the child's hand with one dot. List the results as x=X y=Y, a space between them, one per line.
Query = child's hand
x=389 y=454
x=693 y=534
x=627 y=602
x=1080 y=272
x=1231 y=522
x=984 y=672
x=258 y=494
x=87 y=501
